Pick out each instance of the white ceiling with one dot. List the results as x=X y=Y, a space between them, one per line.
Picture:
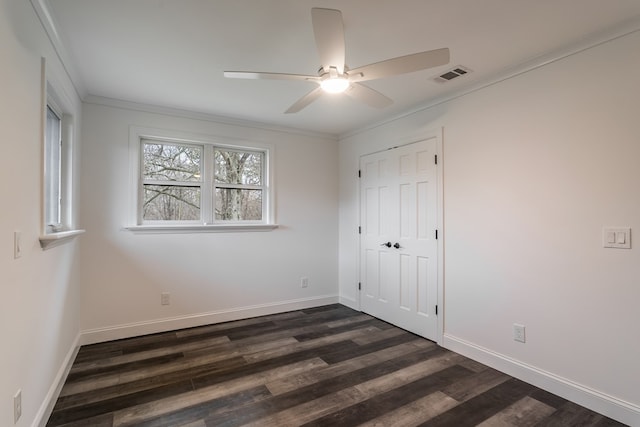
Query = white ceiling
x=172 y=53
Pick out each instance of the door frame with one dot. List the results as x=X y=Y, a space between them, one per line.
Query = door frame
x=438 y=135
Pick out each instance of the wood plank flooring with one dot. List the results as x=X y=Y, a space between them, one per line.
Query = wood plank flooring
x=326 y=366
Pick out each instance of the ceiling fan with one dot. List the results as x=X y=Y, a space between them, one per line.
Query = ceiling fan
x=335 y=77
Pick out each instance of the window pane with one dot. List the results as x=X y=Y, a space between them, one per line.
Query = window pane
x=238 y=167
x=171 y=203
x=52 y=155
x=171 y=162
x=234 y=204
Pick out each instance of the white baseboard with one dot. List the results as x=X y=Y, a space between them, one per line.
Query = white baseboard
x=602 y=403
x=46 y=408
x=97 y=335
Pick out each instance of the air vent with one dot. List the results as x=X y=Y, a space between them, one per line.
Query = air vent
x=452 y=74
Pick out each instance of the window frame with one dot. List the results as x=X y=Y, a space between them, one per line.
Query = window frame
x=55 y=98
x=207 y=222
x=53 y=149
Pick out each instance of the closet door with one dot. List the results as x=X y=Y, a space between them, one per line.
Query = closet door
x=398 y=260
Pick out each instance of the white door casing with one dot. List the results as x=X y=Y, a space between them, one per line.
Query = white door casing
x=398 y=246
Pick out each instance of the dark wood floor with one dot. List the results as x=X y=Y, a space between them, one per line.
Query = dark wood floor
x=317 y=367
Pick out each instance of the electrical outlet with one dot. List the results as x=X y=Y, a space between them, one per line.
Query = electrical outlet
x=17 y=244
x=165 y=298
x=17 y=406
x=518 y=333
x=304 y=282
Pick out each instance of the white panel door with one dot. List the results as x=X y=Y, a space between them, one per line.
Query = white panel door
x=399 y=268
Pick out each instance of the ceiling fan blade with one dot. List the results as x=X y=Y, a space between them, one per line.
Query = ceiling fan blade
x=367 y=95
x=400 y=65
x=305 y=100
x=329 y=33
x=271 y=76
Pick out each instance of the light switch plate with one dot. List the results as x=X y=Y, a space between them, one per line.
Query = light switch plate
x=616 y=237
x=17 y=244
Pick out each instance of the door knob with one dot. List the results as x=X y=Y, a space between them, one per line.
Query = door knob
x=388 y=244
x=396 y=245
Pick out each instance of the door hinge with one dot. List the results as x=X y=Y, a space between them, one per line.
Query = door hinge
x=359 y=173
x=436 y=309
x=436 y=234
x=436 y=159
x=359 y=230
x=359 y=286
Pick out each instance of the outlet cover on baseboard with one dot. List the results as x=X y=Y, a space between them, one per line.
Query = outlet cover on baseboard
x=518 y=333
x=165 y=298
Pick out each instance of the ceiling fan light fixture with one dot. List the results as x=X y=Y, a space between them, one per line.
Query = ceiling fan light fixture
x=335 y=85
x=335 y=77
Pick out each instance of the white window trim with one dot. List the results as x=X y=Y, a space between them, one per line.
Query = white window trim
x=134 y=221
x=54 y=95
x=54 y=239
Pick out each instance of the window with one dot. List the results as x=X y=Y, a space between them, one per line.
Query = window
x=238 y=185
x=184 y=182
x=53 y=171
x=57 y=164
x=171 y=181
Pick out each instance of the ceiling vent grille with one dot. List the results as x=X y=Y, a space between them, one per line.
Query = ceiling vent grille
x=454 y=73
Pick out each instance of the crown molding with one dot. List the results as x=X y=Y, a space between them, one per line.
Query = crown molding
x=48 y=22
x=194 y=115
x=625 y=29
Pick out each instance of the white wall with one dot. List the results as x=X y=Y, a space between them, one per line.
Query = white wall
x=211 y=276
x=39 y=308
x=534 y=167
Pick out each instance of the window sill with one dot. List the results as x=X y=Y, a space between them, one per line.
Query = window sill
x=210 y=228
x=54 y=239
